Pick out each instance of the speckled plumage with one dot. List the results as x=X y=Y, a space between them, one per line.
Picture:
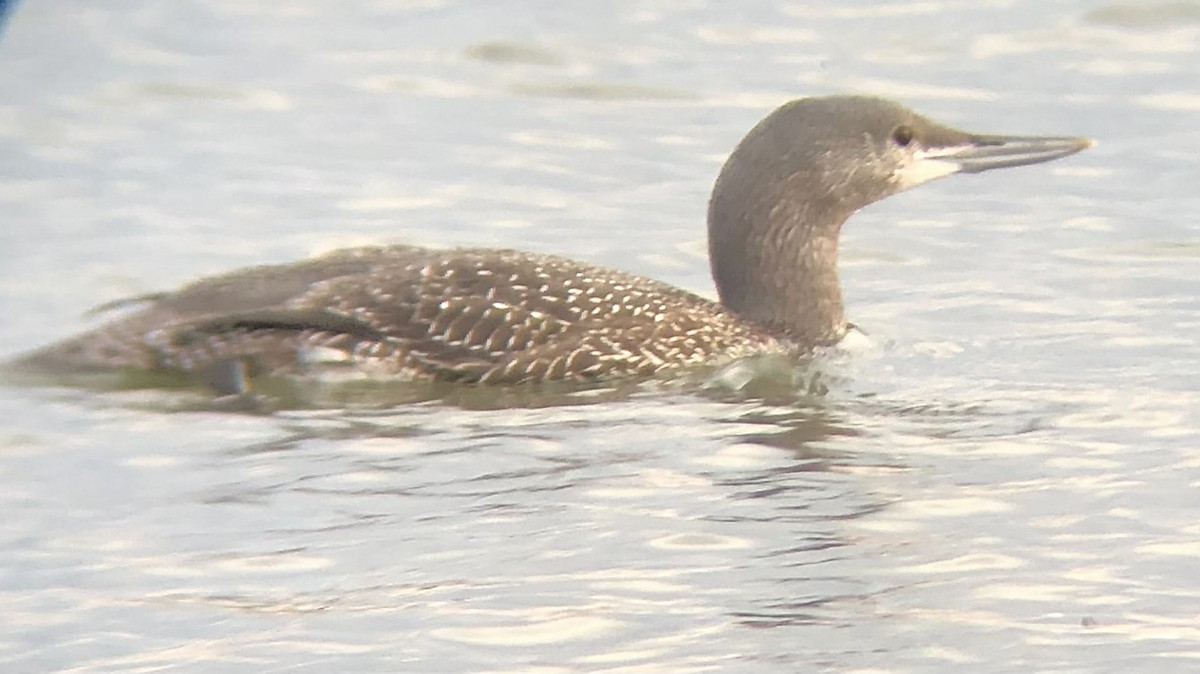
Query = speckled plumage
x=488 y=316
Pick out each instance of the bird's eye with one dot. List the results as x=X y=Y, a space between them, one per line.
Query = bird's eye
x=903 y=135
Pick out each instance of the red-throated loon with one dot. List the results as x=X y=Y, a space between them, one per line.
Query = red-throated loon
x=503 y=316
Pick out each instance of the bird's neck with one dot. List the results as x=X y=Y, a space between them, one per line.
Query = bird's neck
x=775 y=264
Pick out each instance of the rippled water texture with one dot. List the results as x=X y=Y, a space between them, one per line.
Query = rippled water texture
x=1005 y=479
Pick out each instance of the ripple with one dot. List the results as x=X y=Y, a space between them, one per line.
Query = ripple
x=513 y=52
x=967 y=564
x=1144 y=15
x=274 y=562
x=599 y=91
x=1176 y=101
x=531 y=633
x=699 y=541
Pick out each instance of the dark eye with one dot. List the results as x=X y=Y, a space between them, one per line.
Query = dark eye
x=903 y=135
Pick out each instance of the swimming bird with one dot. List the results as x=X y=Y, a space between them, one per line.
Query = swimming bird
x=504 y=316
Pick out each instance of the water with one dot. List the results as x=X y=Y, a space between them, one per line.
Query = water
x=1004 y=481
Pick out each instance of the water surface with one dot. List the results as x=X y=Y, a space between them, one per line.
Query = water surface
x=1005 y=480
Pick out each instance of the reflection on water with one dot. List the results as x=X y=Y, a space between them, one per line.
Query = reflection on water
x=1005 y=480
x=775 y=379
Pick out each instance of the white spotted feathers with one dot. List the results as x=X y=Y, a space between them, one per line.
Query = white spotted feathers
x=488 y=316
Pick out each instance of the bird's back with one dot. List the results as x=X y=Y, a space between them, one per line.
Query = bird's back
x=478 y=315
